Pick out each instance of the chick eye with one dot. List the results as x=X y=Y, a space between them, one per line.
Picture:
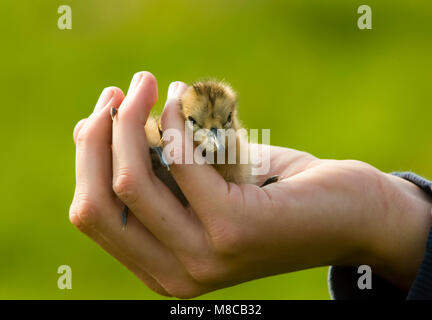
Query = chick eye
x=192 y=120
x=229 y=117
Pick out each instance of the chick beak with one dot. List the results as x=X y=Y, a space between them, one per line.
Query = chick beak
x=217 y=138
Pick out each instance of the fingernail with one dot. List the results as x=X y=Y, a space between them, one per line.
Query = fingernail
x=113 y=112
x=172 y=89
x=135 y=81
x=104 y=98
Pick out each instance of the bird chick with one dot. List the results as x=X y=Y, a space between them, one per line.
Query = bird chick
x=207 y=107
x=210 y=110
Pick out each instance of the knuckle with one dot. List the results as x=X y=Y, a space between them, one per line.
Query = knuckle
x=226 y=238
x=86 y=134
x=78 y=127
x=125 y=187
x=82 y=136
x=83 y=213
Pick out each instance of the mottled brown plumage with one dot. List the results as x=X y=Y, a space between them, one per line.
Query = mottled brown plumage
x=208 y=106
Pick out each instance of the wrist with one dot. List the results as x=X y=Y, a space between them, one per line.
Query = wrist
x=400 y=232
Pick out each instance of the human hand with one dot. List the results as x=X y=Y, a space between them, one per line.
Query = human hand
x=322 y=212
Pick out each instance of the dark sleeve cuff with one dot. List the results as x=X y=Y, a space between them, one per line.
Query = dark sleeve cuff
x=343 y=279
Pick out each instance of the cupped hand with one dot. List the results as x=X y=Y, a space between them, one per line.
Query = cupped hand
x=321 y=212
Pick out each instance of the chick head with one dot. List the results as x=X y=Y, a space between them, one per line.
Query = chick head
x=209 y=106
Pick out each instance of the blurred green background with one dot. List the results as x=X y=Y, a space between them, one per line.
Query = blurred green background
x=301 y=68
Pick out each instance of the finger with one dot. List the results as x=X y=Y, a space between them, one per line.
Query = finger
x=137 y=249
x=129 y=141
x=114 y=245
x=105 y=97
x=147 y=197
x=109 y=96
x=93 y=158
x=93 y=192
x=103 y=100
x=200 y=183
x=78 y=128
